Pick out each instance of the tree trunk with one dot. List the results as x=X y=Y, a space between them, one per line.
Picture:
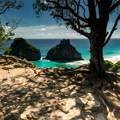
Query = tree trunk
x=97 y=67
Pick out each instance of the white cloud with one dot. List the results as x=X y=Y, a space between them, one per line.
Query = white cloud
x=49 y=34
x=6 y=27
x=42 y=29
x=43 y=1
x=54 y=31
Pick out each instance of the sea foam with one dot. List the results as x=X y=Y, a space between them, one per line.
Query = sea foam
x=113 y=59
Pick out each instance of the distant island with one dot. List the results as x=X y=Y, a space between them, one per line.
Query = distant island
x=63 y=51
x=22 y=49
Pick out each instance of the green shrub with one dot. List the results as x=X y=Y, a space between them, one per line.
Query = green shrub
x=88 y=63
x=55 y=48
x=8 y=50
x=108 y=65
x=25 y=59
x=115 y=67
x=25 y=48
x=118 y=70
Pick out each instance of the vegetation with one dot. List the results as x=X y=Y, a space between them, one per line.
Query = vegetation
x=89 y=25
x=6 y=30
x=25 y=59
x=27 y=44
x=19 y=47
x=55 y=48
x=108 y=65
x=115 y=67
x=90 y=19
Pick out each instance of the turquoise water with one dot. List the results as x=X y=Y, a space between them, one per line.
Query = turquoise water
x=82 y=45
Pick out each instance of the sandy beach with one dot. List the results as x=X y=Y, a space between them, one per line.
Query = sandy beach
x=113 y=59
x=47 y=94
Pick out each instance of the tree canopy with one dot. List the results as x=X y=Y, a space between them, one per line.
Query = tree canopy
x=11 y=24
x=78 y=14
x=8 y=4
x=93 y=14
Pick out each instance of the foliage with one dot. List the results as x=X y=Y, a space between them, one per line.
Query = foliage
x=29 y=46
x=6 y=31
x=7 y=4
x=88 y=64
x=108 y=65
x=55 y=48
x=74 y=14
x=4 y=38
x=115 y=67
x=18 y=49
x=8 y=49
x=25 y=59
x=40 y=6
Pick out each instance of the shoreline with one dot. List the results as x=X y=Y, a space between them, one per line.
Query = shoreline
x=73 y=64
x=113 y=59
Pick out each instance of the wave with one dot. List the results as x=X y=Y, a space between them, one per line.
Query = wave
x=73 y=64
x=44 y=59
x=113 y=59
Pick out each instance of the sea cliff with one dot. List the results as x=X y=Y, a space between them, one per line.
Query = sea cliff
x=63 y=51
x=22 y=49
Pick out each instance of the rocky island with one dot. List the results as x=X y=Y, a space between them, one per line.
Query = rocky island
x=63 y=52
x=22 y=49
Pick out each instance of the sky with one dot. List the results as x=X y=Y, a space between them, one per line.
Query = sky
x=45 y=27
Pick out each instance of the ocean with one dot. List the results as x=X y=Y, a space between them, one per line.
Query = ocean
x=110 y=51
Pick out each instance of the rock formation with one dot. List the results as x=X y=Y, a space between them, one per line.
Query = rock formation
x=63 y=52
x=22 y=49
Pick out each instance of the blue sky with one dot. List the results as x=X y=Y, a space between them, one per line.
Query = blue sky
x=45 y=27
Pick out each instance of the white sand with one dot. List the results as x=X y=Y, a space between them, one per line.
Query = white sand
x=113 y=59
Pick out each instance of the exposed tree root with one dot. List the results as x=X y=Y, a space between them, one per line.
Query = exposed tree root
x=96 y=90
x=100 y=83
x=110 y=115
x=15 y=59
x=106 y=98
x=62 y=108
x=111 y=81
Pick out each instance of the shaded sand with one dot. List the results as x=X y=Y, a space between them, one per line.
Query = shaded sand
x=38 y=94
x=10 y=72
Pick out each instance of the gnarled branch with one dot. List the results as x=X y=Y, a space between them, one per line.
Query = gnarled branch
x=69 y=8
x=78 y=5
x=113 y=29
x=114 y=6
x=85 y=3
x=73 y=25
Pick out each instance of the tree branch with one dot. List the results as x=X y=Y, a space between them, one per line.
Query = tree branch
x=8 y=4
x=78 y=5
x=113 y=29
x=4 y=10
x=98 y=2
x=114 y=6
x=70 y=9
x=73 y=25
x=91 y=7
x=76 y=15
x=85 y=3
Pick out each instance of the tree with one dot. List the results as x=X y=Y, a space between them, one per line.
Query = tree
x=8 y=4
x=97 y=20
x=6 y=32
x=5 y=36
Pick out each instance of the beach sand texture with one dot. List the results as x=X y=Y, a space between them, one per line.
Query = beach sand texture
x=33 y=93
